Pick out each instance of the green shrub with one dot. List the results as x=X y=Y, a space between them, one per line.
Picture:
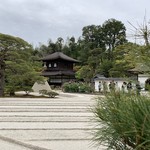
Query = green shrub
x=74 y=87
x=51 y=94
x=77 y=87
x=85 y=88
x=43 y=92
x=66 y=87
x=123 y=122
x=147 y=87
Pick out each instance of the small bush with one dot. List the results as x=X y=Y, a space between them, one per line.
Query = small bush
x=77 y=87
x=74 y=87
x=66 y=87
x=51 y=94
x=123 y=122
x=85 y=88
x=43 y=92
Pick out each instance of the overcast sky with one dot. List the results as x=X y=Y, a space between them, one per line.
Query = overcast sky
x=40 y=20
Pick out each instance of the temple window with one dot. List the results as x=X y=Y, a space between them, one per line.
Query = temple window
x=49 y=65
x=55 y=65
x=44 y=65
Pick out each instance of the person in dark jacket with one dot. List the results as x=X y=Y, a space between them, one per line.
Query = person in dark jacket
x=129 y=86
x=138 y=88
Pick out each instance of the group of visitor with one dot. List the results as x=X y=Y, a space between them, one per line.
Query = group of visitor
x=103 y=87
x=126 y=87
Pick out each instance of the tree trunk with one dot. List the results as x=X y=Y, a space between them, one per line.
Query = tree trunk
x=12 y=93
x=2 y=79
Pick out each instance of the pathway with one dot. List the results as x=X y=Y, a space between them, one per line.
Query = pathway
x=62 y=123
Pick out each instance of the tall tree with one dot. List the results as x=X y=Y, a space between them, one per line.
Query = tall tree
x=7 y=44
x=73 y=48
x=142 y=31
x=59 y=43
x=91 y=39
x=125 y=58
x=114 y=34
x=15 y=60
x=89 y=35
x=20 y=75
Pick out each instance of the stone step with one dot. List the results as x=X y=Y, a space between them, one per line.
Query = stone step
x=45 y=110
x=46 y=125
x=25 y=114
x=45 y=119
x=43 y=107
x=45 y=104
x=11 y=143
x=5 y=145
x=48 y=135
x=68 y=145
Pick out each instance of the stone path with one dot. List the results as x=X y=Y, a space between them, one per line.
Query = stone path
x=62 y=123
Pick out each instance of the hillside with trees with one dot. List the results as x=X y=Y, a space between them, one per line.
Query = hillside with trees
x=101 y=49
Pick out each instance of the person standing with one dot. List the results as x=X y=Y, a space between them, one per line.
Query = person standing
x=99 y=86
x=112 y=86
x=105 y=89
x=129 y=87
x=124 y=86
x=138 y=88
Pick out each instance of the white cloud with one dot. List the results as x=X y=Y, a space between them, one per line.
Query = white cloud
x=39 y=20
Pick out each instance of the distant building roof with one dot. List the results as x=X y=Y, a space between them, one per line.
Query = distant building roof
x=100 y=77
x=59 y=55
x=140 y=68
x=111 y=79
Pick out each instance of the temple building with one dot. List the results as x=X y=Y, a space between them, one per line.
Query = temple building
x=58 y=67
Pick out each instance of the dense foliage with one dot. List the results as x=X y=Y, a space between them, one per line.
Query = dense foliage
x=124 y=122
x=18 y=70
x=95 y=48
x=77 y=87
x=101 y=49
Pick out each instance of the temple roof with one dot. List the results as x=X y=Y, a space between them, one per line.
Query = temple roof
x=54 y=73
x=59 y=55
